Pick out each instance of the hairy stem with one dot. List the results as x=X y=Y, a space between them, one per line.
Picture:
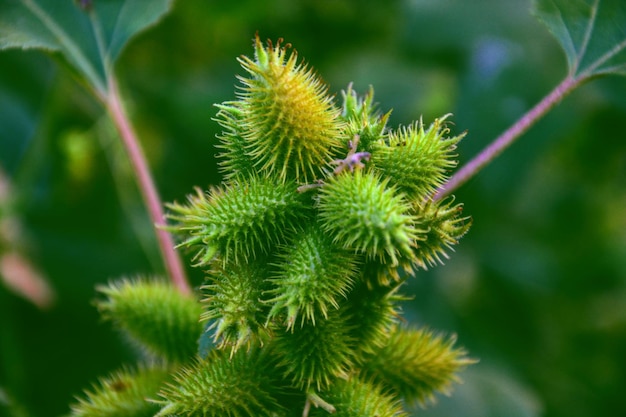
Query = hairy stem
x=173 y=264
x=509 y=136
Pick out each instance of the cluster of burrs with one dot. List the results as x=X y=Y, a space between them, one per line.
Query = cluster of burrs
x=305 y=247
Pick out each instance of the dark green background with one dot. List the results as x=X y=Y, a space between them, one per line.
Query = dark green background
x=537 y=289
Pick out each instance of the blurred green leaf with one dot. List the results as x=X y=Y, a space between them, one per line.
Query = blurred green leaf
x=592 y=33
x=90 y=37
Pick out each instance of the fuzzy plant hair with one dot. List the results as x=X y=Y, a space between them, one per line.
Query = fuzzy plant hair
x=323 y=214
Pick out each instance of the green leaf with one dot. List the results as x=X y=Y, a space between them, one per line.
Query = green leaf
x=90 y=38
x=592 y=33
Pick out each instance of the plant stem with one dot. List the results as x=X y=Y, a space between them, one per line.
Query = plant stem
x=173 y=264
x=317 y=401
x=503 y=141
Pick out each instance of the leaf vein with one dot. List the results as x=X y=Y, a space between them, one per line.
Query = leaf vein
x=66 y=41
x=588 y=31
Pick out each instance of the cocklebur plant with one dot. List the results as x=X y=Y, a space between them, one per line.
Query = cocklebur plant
x=323 y=214
x=359 y=309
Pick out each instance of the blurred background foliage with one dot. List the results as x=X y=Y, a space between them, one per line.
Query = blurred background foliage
x=536 y=291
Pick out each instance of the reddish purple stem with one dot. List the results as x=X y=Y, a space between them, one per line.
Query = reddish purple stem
x=509 y=136
x=173 y=263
